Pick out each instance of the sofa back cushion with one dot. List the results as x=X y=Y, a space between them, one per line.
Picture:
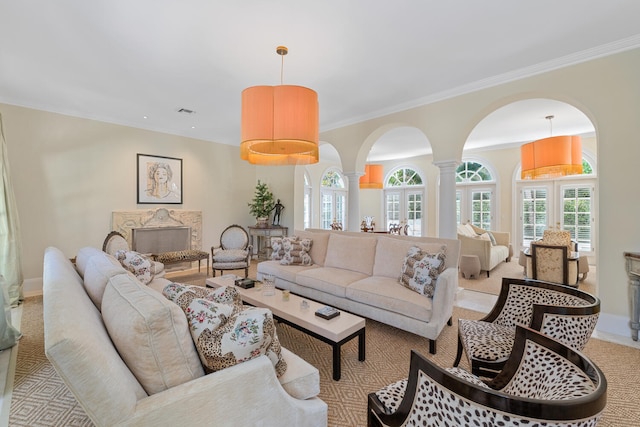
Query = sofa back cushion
x=99 y=269
x=351 y=253
x=320 y=241
x=151 y=334
x=391 y=252
x=83 y=257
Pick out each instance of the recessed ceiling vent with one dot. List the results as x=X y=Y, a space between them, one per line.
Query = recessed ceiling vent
x=185 y=111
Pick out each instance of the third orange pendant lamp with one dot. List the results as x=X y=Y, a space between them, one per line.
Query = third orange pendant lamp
x=279 y=124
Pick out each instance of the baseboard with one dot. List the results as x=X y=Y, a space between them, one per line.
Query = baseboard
x=614 y=328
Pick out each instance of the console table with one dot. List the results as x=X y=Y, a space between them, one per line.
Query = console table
x=264 y=234
x=633 y=271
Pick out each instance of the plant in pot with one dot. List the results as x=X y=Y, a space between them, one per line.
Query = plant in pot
x=262 y=204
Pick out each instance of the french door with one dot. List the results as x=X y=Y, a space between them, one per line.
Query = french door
x=405 y=206
x=476 y=204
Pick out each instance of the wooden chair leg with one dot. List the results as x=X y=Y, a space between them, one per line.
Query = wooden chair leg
x=459 y=354
x=246 y=272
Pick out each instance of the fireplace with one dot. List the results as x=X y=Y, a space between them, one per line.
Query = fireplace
x=156 y=240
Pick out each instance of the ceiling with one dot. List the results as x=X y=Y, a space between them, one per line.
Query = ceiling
x=137 y=63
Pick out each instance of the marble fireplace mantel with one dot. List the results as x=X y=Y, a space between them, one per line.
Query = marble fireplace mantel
x=124 y=221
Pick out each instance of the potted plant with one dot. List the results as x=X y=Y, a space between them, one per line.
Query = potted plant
x=262 y=204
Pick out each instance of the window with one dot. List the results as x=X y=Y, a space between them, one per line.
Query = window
x=474 y=195
x=404 y=200
x=333 y=199
x=534 y=214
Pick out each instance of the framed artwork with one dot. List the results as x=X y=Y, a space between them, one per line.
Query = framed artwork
x=159 y=179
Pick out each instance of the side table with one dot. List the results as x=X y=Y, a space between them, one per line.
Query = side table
x=262 y=248
x=633 y=271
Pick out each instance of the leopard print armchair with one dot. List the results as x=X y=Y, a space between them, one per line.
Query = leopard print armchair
x=544 y=382
x=564 y=313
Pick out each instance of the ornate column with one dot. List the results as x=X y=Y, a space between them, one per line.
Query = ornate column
x=354 y=201
x=447 y=206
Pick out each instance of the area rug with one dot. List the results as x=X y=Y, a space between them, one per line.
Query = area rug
x=40 y=398
x=492 y=284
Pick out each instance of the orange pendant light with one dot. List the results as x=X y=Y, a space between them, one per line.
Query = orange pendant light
x=372 y=178
x=279 y=124
x=551 y=157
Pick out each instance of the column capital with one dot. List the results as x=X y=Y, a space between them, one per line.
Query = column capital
x=447 y=164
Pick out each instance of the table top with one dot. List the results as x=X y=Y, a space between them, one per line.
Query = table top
x=335 y=329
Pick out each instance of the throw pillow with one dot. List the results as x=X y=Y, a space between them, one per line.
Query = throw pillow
x=224 y=339
x=492 y=238
x=421 y=269
x=277 y=250
x=296 y=251
x=183 y=295
x=137 y=264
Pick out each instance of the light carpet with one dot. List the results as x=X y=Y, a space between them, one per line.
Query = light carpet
x=40 y=398
x=492 y=284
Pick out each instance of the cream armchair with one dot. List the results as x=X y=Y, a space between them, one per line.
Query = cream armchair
x=477 y=241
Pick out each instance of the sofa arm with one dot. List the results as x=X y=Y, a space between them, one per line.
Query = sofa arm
x=502 y=237
x=444 y=297
x=230 y=397
x=476 y=246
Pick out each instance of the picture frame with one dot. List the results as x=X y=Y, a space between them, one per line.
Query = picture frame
x=159 y=179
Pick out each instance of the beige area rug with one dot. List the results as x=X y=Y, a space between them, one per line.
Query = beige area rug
x=41 y=399
x=492 y=284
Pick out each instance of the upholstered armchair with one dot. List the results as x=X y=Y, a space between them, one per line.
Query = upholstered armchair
x=554 y=258
x=115 y=242
x=234 y=252
x=564 y=313
x=544 y=382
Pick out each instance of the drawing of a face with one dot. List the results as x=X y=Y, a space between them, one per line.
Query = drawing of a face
x=161 y=175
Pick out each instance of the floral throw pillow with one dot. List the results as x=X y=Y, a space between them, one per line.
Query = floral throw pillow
x=137 y=264
x=421 y=269
x=182 y=295
x=225 y=339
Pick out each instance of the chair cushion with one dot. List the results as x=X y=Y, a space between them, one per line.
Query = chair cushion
x=151 y=334
x=230 y=255
x=486 y=341
x=421 y=269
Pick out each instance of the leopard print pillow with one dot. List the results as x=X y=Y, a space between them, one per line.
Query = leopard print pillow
x=182 y=295
x=421 y=269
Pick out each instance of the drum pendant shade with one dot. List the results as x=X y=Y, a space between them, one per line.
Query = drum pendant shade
x=551 y=157
x=373 y=176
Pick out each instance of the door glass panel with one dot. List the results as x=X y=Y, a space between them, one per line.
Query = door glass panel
x=576 y=215
x=393 y=208
x=414 y=214
x=481 y=209
x=534 y=214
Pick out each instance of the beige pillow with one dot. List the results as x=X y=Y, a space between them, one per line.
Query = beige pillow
x=151 y=334
x=318 y=250
x=351 y=253
x=98 y=270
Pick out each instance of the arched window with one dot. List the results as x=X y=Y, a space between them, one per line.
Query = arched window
x=404 y=195
x=475 y=189
x=333 y=193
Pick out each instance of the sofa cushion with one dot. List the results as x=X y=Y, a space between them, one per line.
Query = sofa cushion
x=284 y=272
x=151 y=334
x=320 y=240
x=137 y=264
x=391 y=251
x=83 y=257
x=421 y=269
x=225 y=338
x=301 y=379
x=327 y=279
x=351 y=253
x=98 y=270
x=387 y=294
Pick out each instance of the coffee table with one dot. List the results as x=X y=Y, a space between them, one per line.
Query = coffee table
x=335 y=332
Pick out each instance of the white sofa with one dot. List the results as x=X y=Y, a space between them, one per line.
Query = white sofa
x=359 y=273
x=126 y=354
x=476 y=241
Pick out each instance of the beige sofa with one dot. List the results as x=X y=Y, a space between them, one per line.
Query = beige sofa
x=476 y=241
x=126 y=354
x=359 y=273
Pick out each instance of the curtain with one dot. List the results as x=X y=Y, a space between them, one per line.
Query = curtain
x=10 y=247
